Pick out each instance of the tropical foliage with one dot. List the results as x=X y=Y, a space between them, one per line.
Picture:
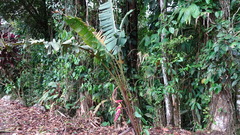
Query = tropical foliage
x=151 y=63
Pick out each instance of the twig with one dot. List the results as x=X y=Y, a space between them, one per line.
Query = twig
x=61 y=114
x=125 y=131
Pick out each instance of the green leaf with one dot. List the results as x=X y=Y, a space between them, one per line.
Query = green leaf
x=234 y=83
x=84 y=31
x=181 y=13
x=148 y=115
x=194 y=10
x=217 y=14
x=146 y=132
x=171 y=30
x=234 y=44
x=208 y=1
x=216 y=48
x=187 y=16
x=192 y=106
x=137 y=115
x=164 y=31
x=199 y=107
x=104 y=124
x=147 y=41
x=143 y=120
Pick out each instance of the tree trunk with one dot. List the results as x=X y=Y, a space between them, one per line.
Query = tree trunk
x=132 y=30
x=167 y=96
x=131 y=52
x=221 y=106
x=222 y=111
x=84 y=106
x=176 y=111
x=160 y=120
x=238 y=103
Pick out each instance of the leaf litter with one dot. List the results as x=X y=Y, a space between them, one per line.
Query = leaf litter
x=17 y=119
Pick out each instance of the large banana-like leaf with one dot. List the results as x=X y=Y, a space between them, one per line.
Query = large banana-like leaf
x=115 y=38
x=107 y=24
x=84 y=31
x=112 y=38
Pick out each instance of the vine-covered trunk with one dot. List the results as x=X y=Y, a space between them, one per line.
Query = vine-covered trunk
x=222 y=110
x=221 y=106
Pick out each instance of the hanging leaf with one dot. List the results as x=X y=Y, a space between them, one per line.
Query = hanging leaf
x=181 y=13
x=187 y=16
x=194 y=10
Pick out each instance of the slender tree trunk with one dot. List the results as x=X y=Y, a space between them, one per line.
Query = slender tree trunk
x=86 y=1
x=167 y=96
x=176 y=111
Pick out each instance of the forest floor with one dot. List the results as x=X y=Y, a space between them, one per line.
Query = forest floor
x=16 y=119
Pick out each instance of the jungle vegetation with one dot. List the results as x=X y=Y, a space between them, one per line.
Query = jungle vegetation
x=159 y=62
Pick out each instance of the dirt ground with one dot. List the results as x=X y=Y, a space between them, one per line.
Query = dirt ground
x=16 y=119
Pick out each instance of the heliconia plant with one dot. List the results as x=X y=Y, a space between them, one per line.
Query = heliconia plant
x=118 y=110
x=106 y=47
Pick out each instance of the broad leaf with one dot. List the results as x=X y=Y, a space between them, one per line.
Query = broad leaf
x=194 y=10
x=84 y=31
x=114 y=38
x=107 y=24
